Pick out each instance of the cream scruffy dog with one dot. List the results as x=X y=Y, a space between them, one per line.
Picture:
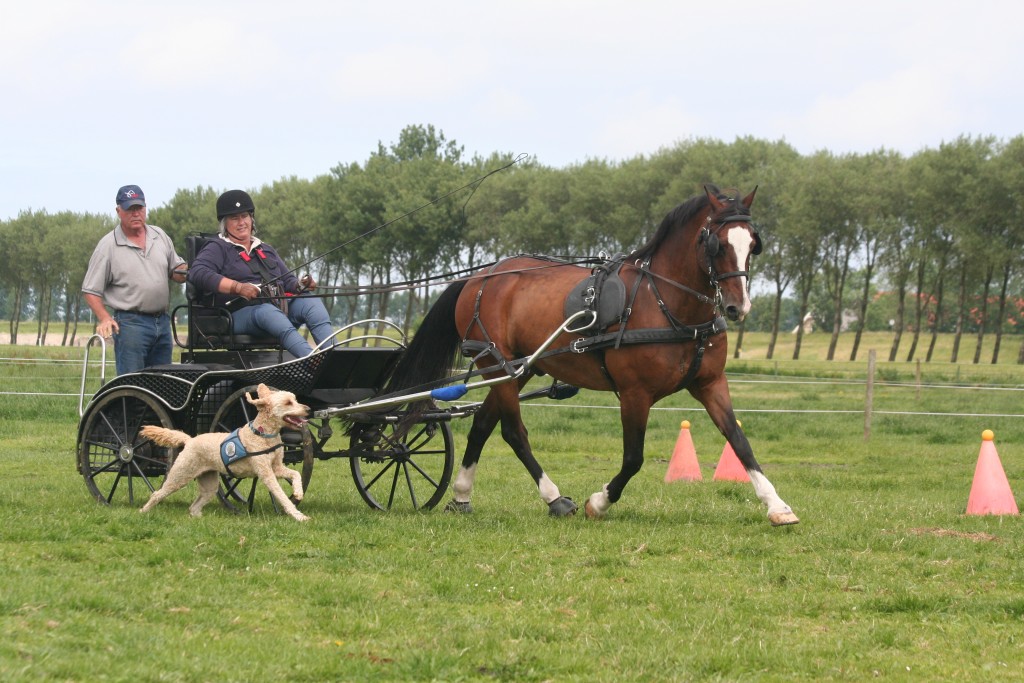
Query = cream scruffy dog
x=202 y=459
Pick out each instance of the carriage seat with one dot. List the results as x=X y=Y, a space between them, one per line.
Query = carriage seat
x=210 y=326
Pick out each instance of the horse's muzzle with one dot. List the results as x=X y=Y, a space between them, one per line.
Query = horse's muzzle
x=734 y=313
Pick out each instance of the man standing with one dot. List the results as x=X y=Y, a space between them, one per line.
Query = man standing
x=130 y=271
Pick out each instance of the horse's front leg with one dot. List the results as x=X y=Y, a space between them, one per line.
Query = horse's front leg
x=715 y=398
x=634 y=412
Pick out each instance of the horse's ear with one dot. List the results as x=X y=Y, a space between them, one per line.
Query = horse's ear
x=716 y=203
x=749 y=199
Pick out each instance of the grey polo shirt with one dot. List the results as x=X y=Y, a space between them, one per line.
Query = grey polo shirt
x=129 y=278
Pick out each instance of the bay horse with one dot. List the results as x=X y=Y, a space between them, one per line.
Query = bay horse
x=669 y=337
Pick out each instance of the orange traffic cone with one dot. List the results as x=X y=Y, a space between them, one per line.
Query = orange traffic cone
x=683 y=464
x=729 y=466
x=990 y=492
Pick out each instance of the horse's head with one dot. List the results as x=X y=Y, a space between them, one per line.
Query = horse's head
x=729 y=241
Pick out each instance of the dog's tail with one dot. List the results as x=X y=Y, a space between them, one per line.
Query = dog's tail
x=164 y=437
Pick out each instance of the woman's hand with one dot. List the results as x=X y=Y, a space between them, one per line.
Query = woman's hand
x=246 y=290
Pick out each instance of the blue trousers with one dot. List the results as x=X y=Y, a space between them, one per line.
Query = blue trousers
x=268 y=319
x=143 y=341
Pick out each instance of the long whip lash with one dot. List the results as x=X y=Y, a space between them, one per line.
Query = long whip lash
x=477 y=182
x=369 y=232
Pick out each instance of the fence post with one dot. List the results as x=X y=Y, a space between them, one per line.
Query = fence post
x=917 y=376
x=869 y=399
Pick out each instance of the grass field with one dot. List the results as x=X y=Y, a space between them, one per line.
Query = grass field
x=884 y=578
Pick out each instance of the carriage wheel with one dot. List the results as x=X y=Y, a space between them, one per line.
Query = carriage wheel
x=117 y=463
x=240 y=494
x=391 y=468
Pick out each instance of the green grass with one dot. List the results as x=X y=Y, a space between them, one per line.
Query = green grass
x=885 y=577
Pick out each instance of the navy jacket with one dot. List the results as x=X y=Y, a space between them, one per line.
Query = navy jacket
x=219 y=259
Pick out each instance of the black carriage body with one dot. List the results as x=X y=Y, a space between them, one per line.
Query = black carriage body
x=199 y=398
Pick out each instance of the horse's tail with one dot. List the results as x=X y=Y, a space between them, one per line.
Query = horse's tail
x=430 y=355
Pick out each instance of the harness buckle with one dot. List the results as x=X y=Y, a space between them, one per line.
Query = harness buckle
x=575 y=345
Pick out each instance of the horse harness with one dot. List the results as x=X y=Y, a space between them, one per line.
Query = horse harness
x=603 y=294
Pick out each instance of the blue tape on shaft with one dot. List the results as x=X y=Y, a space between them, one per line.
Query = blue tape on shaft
x=451 y=393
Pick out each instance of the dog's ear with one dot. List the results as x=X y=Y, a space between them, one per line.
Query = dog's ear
x=263 y=392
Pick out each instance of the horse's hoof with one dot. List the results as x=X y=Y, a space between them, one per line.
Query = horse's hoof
x=782 y=518
x=457 y=506
x=597 y=505
x=562 y=507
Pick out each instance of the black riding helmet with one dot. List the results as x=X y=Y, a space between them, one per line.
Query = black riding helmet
x=234 y=201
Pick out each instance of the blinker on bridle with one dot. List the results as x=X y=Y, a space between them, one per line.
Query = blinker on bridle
x=713 y=247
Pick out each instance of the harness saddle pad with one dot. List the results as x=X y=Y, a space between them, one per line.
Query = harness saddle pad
x=603 y=292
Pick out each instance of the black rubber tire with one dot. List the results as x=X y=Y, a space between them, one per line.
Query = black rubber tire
x=113 y=458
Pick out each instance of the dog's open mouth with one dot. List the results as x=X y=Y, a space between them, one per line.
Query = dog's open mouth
x=295 y=421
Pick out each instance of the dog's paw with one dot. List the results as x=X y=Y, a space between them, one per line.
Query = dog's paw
x=301 y=517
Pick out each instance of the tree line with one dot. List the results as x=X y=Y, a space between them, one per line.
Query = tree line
x=918 y=244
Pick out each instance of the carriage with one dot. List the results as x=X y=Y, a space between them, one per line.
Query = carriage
x=393 y=464
x=643 y=325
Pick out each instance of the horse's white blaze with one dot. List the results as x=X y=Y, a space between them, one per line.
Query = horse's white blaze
x=766 y=493
x=548 y=490
x=739 y=240
x=463 y=486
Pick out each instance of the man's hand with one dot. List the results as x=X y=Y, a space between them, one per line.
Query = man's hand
x=106 y=328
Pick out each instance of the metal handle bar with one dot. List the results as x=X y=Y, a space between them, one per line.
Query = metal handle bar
x=334 y=341
x=85 y=367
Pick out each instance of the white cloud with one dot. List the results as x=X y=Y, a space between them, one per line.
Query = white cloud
x=643 y=124
x=904 y=111
x=400 y=72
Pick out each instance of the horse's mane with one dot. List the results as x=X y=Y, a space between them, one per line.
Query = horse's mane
x=683 y=214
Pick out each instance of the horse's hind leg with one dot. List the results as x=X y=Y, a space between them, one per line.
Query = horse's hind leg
x=484 y=422
x=502 y=405
x=515 y=434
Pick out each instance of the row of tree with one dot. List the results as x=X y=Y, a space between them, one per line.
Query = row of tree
x=938 y=232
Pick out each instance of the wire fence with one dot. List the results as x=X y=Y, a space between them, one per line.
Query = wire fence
x=60 y=378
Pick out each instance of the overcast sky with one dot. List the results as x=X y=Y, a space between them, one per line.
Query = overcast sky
x=238 y=94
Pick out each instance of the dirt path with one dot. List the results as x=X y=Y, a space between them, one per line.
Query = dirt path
x=52 y=339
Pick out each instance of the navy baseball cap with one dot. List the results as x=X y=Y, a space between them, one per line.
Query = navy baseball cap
x=130 y=195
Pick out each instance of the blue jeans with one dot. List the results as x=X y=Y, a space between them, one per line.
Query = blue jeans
x=270 y=320
x=143 y=341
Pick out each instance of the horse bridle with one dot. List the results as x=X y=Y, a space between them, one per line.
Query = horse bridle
x=713 y=247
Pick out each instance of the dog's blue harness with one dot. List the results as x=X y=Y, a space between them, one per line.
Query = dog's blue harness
x=232 y=449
